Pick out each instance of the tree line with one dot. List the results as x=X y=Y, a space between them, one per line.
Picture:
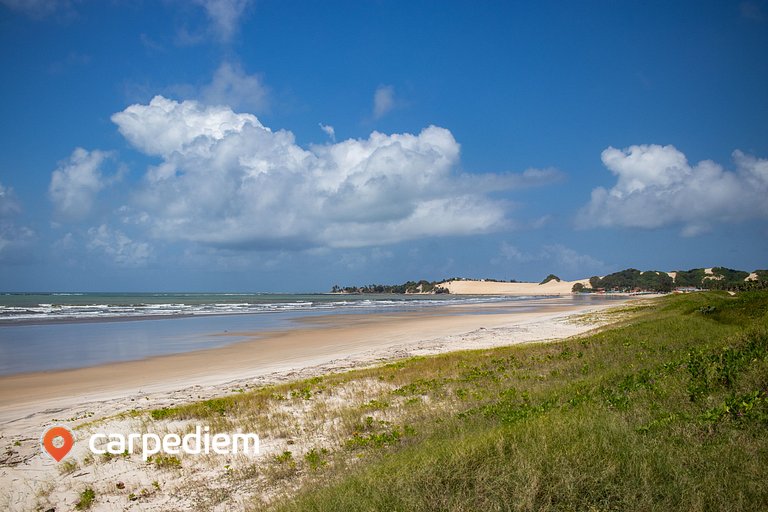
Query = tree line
x=422 y=286
x=721 y=278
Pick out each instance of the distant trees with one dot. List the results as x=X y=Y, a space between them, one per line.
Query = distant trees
x=633 y=280
x=720 y=278
x=422 y=286
x=693 y=277
x=549 y=278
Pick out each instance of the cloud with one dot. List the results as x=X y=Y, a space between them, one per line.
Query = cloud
x=511 y=253
x=37 y=8
x=224 y=16
x=657 y=187
x=76 y=182
x=119 y=247
x=230 y=86
x=563 y=261
x=150 y=44
x=233 y=87
x=383 y=101
x=226 y=180
x=571 y=262
x=72 y=60
x=328 y=129
x=9 y=205
x=13 y=238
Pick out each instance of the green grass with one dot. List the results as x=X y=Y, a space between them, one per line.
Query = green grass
x=668 y=411
x=87 y=497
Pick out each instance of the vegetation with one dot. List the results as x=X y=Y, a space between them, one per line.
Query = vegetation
x=549 y=278
x=86 y=500
x=407 y=287
x=633 y=280
x=628 y=280
x=720 y=278
x=668 y=411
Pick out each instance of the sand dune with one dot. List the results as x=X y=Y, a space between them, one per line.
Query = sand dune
x=496 y=288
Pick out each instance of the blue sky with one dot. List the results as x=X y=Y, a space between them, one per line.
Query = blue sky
x=288 y=146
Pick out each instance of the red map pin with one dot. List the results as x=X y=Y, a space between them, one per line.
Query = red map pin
x=58 y=449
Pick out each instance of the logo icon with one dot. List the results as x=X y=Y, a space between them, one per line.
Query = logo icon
x=57 y=441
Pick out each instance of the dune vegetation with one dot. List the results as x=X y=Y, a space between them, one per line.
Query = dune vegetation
x=667 y=411
x=664 y=409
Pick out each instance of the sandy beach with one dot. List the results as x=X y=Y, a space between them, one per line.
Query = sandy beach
x=29 y=402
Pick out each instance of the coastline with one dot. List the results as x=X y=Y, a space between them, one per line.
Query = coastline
x=98 y=397
x=321 y=344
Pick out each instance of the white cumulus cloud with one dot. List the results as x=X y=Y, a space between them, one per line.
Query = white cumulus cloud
x=656 y=186
x=118 y=246
x=226 y=180
x=77 y=180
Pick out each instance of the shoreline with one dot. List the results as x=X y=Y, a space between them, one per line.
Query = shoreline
x=117 y=398
x=322 y=344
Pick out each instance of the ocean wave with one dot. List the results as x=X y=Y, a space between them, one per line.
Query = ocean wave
x=95 y=311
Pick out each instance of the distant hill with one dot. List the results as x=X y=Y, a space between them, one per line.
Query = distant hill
x=715 y=278
x=628 y=280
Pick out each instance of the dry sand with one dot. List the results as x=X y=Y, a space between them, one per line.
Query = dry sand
x=30 y=402
x=496 y=288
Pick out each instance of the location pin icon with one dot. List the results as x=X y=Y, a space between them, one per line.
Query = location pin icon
x=58 y=449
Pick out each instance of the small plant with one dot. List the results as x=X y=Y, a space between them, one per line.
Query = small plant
x=304 y=392
x=167 y=462
x=376 y=404
x=86 y=500
x=156 y=485
x=285 y=457
x=159 y=414
x=316 y=459
x=69 y=466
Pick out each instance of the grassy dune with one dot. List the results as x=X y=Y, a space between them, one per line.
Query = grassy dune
x=667 y=411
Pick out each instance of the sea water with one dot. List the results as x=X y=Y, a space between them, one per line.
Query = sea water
x=56 y=331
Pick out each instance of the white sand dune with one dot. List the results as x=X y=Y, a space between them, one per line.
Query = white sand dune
x=495 y=288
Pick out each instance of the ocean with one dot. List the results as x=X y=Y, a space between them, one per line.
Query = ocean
x=57 y=307
x=58 y=331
